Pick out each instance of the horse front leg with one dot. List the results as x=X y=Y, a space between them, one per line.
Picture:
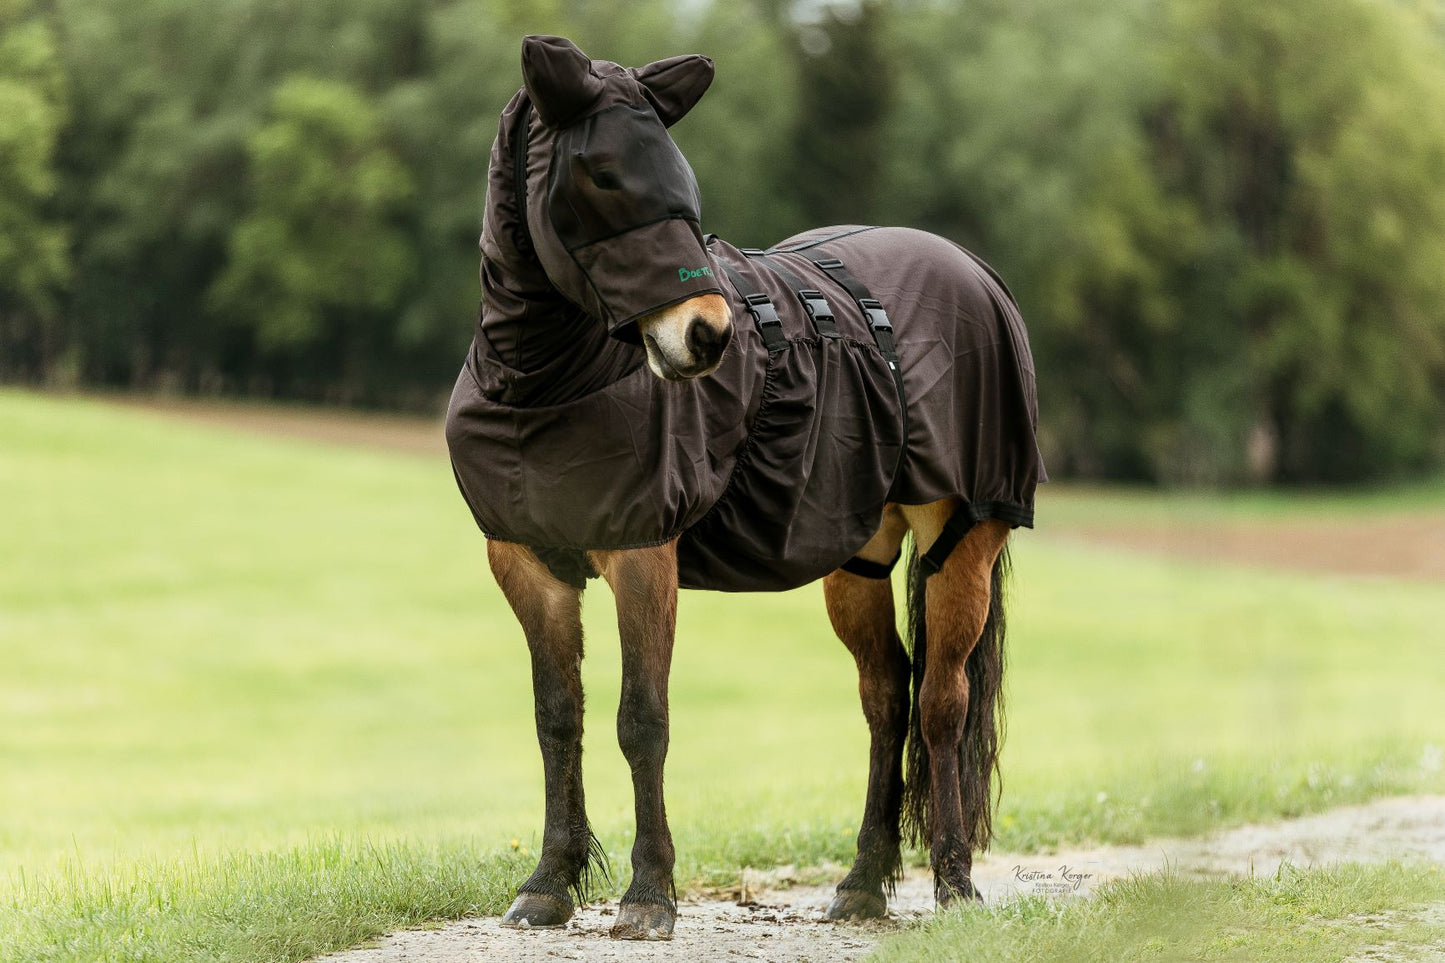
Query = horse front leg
x=551 y=615
x=860 y=608
x=644 y=582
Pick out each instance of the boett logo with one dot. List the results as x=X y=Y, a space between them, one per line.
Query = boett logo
x=683 y=274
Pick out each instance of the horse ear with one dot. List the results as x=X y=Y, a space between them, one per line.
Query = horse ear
x=559 y=79
x=674 y=85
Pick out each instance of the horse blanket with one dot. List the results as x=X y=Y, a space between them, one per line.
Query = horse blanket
x=867 y=366
x=774 y=470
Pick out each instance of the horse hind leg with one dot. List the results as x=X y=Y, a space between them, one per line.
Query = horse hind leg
x=957 y=622
x=550 y=614
x=861 y=610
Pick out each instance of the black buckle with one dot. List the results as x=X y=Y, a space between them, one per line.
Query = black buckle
x=816 y=305
x=877 y=317
x=828 y=263
x=760 y=306
x=752 y=252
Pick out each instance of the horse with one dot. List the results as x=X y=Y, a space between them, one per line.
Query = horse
x=654 y=407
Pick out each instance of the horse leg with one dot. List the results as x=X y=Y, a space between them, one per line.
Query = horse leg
x=861 y=610
x=551 y=617
x=644 y=582
x=956 y=615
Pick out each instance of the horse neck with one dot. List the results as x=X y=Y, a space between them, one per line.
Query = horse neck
x=543 y=349
x=547 y=350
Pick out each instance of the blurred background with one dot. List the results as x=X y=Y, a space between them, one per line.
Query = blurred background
x=1224 y=219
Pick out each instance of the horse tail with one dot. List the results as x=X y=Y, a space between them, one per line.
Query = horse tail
x=978 y=753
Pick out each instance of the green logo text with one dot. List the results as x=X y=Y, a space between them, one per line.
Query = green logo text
x=683 y=274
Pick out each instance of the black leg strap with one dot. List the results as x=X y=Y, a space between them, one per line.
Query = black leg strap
x=959 y=524
x=867 y=569
x=760 y=306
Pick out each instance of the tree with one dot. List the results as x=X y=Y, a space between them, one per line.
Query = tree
x=845 y=88
x=1223 y=220
x=320 y=257
x=1018 y=133
x=1309 y=137
x=34 y=266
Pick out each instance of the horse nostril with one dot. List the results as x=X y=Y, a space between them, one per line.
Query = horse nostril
x=707 y=343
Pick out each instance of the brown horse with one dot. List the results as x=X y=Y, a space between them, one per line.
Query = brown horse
x=624 y=414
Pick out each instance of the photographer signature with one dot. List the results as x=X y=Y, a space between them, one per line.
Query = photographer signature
x=1063 y=877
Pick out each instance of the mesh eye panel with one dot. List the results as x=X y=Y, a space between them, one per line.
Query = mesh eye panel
x=614 y=171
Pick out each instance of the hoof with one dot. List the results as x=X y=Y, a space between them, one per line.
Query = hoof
x=855 y=904
x=955 y=896
x=538 y=911
x=643 y=921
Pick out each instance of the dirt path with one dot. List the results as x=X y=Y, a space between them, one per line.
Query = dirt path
x=763 y=922
x=1409 y=545
x=337 y=426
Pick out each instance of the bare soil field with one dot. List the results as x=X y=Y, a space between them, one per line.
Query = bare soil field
x=337 y=426
x=1410 y=546
x=765 y=919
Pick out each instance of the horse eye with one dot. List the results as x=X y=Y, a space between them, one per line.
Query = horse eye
x=607 y=180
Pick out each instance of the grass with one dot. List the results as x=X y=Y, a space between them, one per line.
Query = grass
x=1295 y=916
x=261 y=699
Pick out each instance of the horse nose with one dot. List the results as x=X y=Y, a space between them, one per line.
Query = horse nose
x=707 y=343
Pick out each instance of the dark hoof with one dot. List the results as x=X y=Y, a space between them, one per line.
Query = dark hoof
x=855 y=904
x=535 y=911
x=643 y=921
x=949 y=896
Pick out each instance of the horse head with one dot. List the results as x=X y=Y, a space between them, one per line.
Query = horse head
x=615 y=224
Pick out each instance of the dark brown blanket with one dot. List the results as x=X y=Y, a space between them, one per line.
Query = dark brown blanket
x=774 y=470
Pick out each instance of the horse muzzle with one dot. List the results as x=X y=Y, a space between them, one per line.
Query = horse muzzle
x=688 y=340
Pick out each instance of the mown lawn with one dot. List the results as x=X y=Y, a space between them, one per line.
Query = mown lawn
x=259 y=698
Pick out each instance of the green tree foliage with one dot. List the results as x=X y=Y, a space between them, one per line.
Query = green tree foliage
x=319 y=257
x=1022 y=139
x=33 y=243
x=1224 y=219
x=736 y=138
x=845 y=94
x=1307 y=135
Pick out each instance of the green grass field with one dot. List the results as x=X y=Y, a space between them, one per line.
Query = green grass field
x=259 y=698
x=1296 y=916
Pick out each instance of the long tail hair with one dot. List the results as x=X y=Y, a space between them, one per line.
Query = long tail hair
x=979 y=780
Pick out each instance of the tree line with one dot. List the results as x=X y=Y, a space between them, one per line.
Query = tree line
x=1224 y=219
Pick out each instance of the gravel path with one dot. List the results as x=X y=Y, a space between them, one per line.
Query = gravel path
x=767 y=921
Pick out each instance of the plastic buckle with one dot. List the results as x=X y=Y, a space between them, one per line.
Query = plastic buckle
x=828 y=263
x=760 y=306
x=816 y=305
x=877 y=317
x=752 y=252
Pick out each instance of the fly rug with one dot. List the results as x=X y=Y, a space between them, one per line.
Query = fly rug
x=661 y=409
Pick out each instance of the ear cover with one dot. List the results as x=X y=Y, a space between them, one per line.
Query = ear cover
x=559 y=79
x=674 y=85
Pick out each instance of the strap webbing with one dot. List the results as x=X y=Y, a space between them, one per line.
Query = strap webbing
x=760 y=306
x=876 y=570
x=959 y=524
x=520 y=131
x=872 y=308
x=819 y=311
x=881 y=327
